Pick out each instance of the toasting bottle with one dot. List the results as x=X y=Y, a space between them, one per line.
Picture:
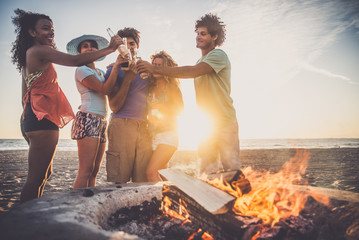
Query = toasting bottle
x=137 y=57
x=124 y=51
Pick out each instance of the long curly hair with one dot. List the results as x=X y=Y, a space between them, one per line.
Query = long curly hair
x=167 y=62
x=214 y=26
x=23 y=22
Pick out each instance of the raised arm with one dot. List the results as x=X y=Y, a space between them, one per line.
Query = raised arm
x=39 y=56
x=104 y=87
x=118 y=96
x=178 y=72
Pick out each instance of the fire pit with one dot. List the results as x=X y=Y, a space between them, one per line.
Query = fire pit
x=273 y=209
x=316 y=221
x=76 y=214
x=110 y=212
x=149 y=222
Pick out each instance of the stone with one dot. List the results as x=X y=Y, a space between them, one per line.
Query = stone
x=75 y=214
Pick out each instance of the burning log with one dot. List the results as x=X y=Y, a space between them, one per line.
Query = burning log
x=220 y=226
x=275 y=208
x=235 y=179
x=230 y=226
x=315 y=221
x=340 y=220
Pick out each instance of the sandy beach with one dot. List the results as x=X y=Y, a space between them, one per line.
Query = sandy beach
x=336 y=168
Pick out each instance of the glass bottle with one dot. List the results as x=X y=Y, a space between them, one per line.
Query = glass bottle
x=143 y=75
x=124 y=51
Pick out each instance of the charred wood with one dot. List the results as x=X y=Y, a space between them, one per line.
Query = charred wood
x=220 y=226
x=235 y=178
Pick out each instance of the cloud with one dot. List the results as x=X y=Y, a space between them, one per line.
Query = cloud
x=277 y=36
x=327 y=73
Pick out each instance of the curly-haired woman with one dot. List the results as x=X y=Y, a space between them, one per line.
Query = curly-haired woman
x=165 y=103
x=46 y=108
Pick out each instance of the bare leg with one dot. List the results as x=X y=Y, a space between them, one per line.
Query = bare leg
x=99 y=156
x=41 y=152
x=87 y=151
x=48 y=174
x=49 y=170
x=159 y=160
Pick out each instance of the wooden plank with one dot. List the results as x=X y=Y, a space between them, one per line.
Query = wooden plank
x=212 y=199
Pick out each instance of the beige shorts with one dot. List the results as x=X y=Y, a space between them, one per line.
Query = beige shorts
x=168 y=138
x=129 y=150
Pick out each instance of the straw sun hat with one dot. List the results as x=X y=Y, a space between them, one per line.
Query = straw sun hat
x=72 y=46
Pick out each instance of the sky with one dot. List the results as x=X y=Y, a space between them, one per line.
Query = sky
x=295 y=64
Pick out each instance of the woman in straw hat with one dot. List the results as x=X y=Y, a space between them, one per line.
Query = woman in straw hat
x=89 y=127
x=46 y=108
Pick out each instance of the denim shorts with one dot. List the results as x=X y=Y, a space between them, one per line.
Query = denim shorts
x=30 y=122
x=168 y=138
x=88 y=125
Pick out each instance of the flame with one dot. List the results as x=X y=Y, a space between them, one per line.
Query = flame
x=256 y=235
x=223 y=185
x=182 y=215
x=166 y=203
x=271 y=197
x=205 y=235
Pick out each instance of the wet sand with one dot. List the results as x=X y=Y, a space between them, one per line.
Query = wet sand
x=336 y=168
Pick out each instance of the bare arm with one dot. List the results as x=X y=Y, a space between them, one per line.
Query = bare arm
x=178 y=72
x=38 y=57
x=118 y=96
x=104 y=87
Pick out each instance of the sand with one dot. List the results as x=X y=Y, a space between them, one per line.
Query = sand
x=336 y=168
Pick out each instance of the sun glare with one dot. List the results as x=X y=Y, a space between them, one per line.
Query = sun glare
x=193 y=127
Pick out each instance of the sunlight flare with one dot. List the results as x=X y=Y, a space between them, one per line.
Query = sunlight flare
x=194 y=126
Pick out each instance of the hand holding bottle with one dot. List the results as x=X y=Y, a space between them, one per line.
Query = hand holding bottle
x=115 y=42
x=112 y=35
x=120 y=60
x=124 y=51
x=144 y=66
x=143 y=74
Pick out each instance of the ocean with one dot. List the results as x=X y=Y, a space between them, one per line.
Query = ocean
x=70 y=145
